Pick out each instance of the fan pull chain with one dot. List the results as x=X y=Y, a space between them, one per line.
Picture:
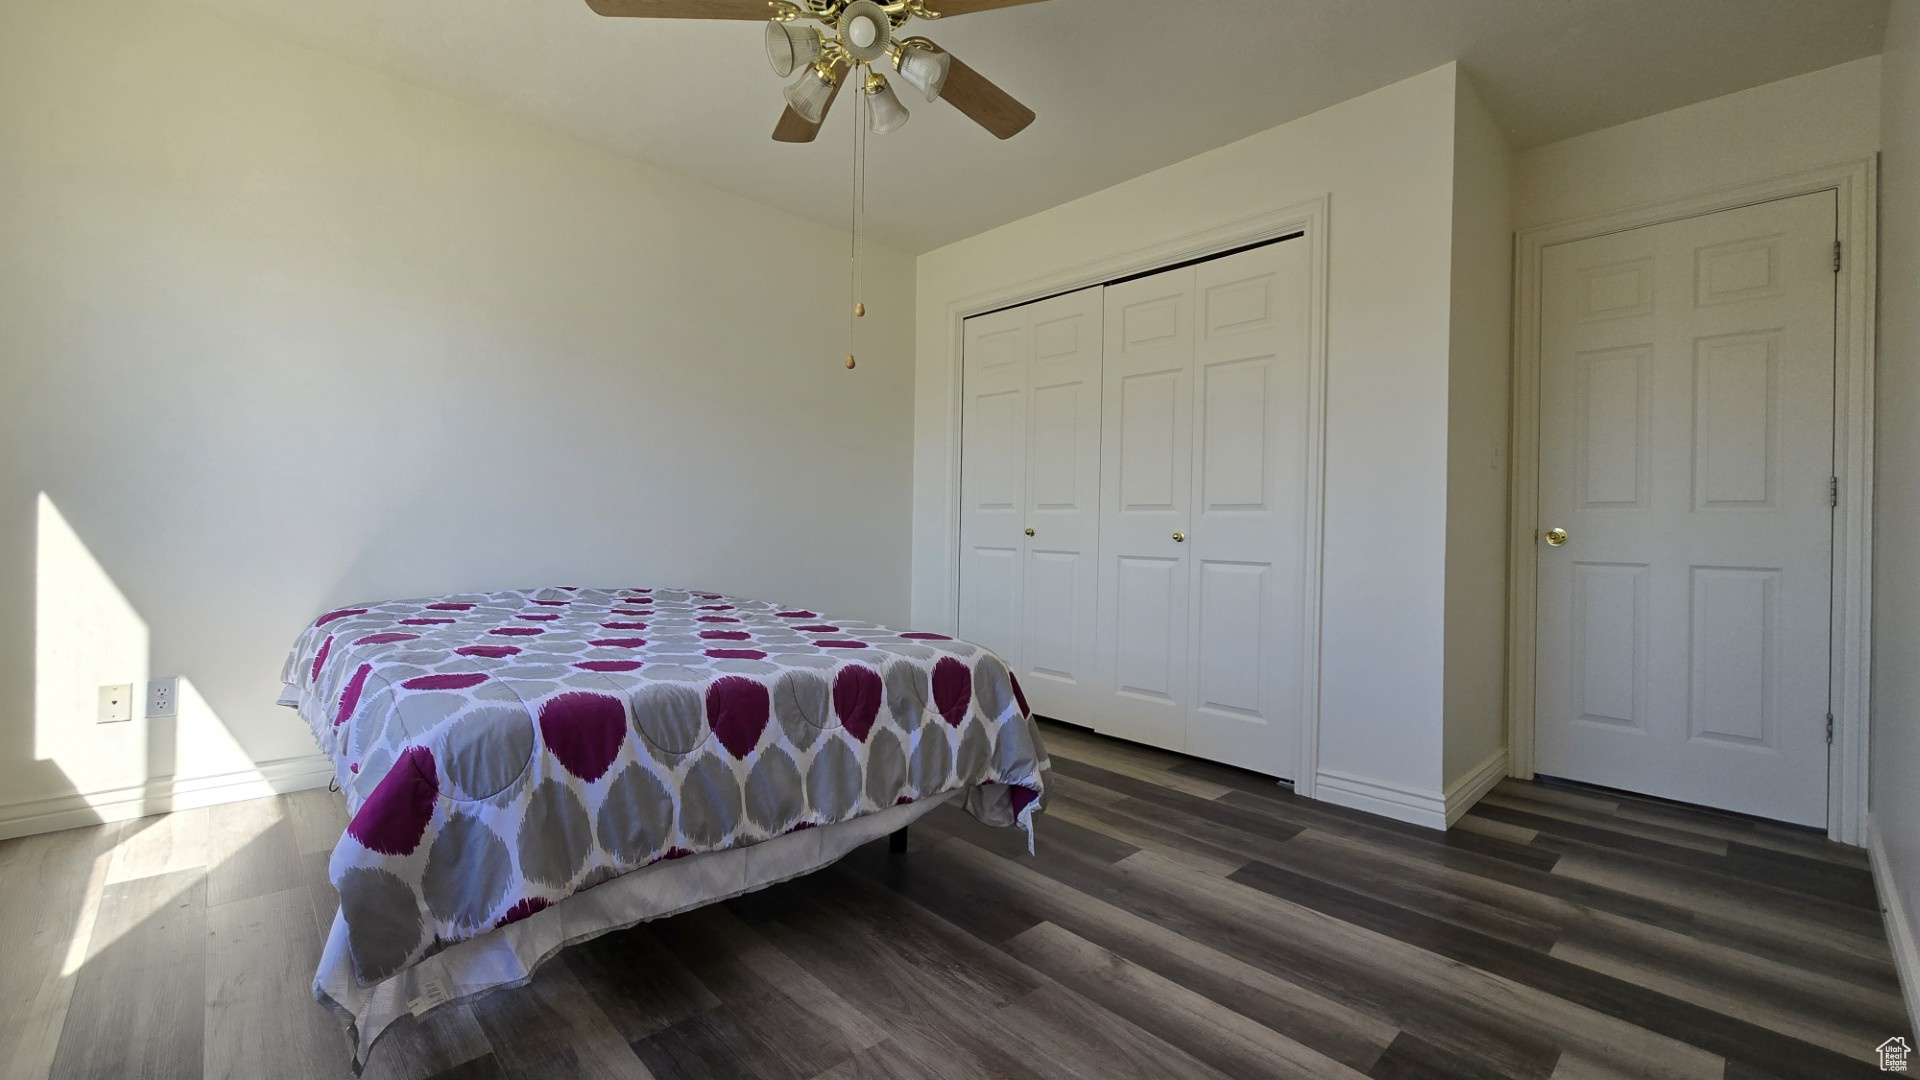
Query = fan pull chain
x=858 y=225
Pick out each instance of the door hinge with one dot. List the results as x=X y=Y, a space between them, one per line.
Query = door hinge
x=1829 y=729
x=1836 y=256
x=1833 y=491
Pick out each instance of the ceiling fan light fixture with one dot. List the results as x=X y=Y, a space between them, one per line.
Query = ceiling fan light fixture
x=884 y=111
x=922 y=66
x=789 y=47
x=866 y=32
x=810 y=93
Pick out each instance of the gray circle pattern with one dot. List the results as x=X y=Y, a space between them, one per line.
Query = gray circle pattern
x=976 y=754
x=709 y=802
x=833 y=781
x=775 y=795
x=909 y=690
x=468 y=870
x=802 y=702
x=932 y=765
x=484 y=751
x=383 y=922
x=670 y=717
x=886 y=769
x=637 y=816
x=555 y=835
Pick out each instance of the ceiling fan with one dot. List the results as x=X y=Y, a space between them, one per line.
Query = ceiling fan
x=854 y=37
x=858 y=35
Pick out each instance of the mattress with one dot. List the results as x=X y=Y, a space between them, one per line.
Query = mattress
x=504 y=752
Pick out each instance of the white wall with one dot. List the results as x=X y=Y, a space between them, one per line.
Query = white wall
x=1386 y=160
x=1477 y=434
x=1895 y=782
x=278 y=333
x=1805 y=122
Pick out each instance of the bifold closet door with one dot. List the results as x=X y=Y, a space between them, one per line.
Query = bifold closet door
x=1061 y=574
x=1203 y=530
x=1146 y=480
x=1030 y=485
x=993 y=479
x=1246 y=632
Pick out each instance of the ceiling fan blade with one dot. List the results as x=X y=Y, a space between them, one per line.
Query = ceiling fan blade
x=948 y=8
x=745 y=10
x=984 y=103
x=795 y=128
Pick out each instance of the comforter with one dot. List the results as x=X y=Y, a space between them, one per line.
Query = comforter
x=502 y=751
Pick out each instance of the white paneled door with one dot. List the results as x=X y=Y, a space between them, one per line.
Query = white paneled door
x=1686 y=453
x=993 y=479
x=1204 y=508
x=1247 y=540
x=1029 y=482
x=1144 y=498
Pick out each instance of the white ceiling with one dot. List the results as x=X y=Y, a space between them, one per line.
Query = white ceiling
x=1122 y=86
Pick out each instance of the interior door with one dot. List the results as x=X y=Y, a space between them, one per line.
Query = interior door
x=1246 y=537
x=1060 y=575
x=993 y=479
x=1145 y=489
x=1686 y=450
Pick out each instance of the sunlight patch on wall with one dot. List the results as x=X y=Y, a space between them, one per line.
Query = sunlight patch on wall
x=201 y=744
x=86 y=636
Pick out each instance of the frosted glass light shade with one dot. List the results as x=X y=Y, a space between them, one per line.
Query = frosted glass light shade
x=864 y=31
x=924 y=69
x=789 y=47
x=810 y=93
x=884 y=111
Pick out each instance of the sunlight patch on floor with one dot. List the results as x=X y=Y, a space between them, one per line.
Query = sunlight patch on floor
x=79 y=944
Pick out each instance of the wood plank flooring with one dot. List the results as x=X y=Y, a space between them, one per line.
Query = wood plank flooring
x=1181 y=920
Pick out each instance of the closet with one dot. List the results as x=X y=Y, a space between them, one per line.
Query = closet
x=1134 y=520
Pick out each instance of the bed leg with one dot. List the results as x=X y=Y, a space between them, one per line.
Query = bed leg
x=897 y=842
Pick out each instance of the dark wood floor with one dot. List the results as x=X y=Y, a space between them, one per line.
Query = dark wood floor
x=1181 y=920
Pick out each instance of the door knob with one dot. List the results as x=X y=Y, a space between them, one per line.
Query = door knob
x=1179 y=538
x=1556 y=537
x=1029 y=530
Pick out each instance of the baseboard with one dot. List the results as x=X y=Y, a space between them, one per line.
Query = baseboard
x=72 y=811
x=1906 y=949
x=1469 y=789
x=1411 y=805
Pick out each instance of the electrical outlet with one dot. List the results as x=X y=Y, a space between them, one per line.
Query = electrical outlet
x=116 y=703
x=162 y=695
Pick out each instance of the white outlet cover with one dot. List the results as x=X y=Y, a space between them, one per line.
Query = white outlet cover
x=163 y=697
x=116 y=703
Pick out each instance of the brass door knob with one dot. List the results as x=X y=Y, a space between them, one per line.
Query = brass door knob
x=1029 y=530
x=1556 y=537
x=1179 y=537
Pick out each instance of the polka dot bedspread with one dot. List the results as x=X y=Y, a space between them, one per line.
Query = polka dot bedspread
x=502 y=751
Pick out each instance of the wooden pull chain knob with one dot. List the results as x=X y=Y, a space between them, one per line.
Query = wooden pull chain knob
x=849 y=361
x=859 y=311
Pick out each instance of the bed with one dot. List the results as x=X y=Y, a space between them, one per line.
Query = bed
x=526 y=770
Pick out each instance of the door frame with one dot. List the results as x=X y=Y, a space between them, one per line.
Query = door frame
x=1309 y=219
x=1853 y=183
